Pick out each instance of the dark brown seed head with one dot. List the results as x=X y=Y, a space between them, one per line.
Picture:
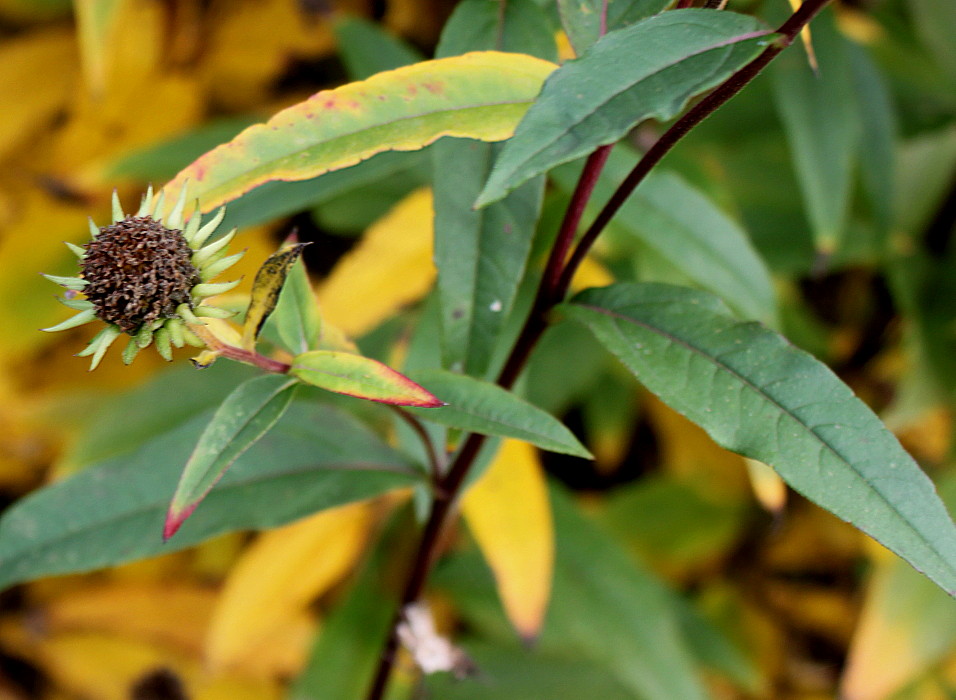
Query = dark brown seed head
x=138 y=271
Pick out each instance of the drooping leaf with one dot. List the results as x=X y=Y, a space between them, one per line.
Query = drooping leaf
x=296 y=315
x=596 y=99
x=266 y=288
x=582 y=19
x=679 y=223
x=824 y=151
x=314 y=458
x=481 y=95
x=361 y=377
x=481 y=255
x=279 y=575
x=247 y=414
x=367 y=49
x=759 y=396
x=508 y=513
x=483 y=407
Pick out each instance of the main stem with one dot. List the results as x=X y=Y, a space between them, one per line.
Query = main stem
x=552 y=289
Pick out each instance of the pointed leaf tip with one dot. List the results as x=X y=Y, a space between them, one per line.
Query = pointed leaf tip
x=175 y=518
x=362 y=377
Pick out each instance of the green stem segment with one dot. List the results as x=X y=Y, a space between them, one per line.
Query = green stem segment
x=553 y=288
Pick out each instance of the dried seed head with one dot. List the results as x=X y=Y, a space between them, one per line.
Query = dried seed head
x=138 y=271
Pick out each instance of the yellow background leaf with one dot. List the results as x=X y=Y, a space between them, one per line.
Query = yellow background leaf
x=389 y=268
x=280 y=574
x=509 y=514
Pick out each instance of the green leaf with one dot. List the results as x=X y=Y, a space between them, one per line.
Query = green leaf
x=481 y=255
x=247 y=414
x=124 y=422
x=878 y=141
x=936 y=24
x=361 y=377
x=757 y=395
x=481 y=95
x=632 y=626
x=596 y=99
x=486 y=408
x=112 y=512
x=518 y=25
x=296 y=315
x=581 y=19
x=366 y=49
x=509 y=673
x=824 y=150
x=681 y=225
x=270 y=278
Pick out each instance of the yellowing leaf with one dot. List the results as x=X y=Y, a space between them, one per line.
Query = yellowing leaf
x=280 y=574
x=509 y=514
x=391 y=267
x=769 y=488
x=591 y=273
x=175 y=615
x=242 y=60
x=265 y=291
x=480 y=95
x=96 y=22
x=908 y=625
x=30 y=102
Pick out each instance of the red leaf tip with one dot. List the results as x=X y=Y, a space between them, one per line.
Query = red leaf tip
x=174 y=520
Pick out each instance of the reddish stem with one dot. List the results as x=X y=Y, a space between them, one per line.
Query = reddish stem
x=550 y=293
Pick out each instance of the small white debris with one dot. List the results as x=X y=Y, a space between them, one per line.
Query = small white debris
x=495 y=306
x=431 y=651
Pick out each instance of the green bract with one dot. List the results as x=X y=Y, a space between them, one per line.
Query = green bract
x=147 y=277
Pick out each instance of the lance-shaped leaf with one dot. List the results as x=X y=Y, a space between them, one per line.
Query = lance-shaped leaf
x=314 y=458
x=243 y=417
x=825 y=151
x=508 y=512
x=486 y=408
x=296 y=316
x=757 y=395
x=266 y=289
x=650 y=69
x=361 y=377
x=481 y=96
x=481 y=255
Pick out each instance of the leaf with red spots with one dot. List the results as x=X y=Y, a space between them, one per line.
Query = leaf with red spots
x=361 y=377
x=481 y=95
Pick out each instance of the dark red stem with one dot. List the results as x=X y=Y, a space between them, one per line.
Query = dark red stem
x=551 y=292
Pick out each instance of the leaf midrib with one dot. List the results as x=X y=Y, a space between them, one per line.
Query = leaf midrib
x=771 y=400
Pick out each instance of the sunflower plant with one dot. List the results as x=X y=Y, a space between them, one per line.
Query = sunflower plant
x=534 y=244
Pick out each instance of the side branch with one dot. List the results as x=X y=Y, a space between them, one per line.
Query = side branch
x=703 y=109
